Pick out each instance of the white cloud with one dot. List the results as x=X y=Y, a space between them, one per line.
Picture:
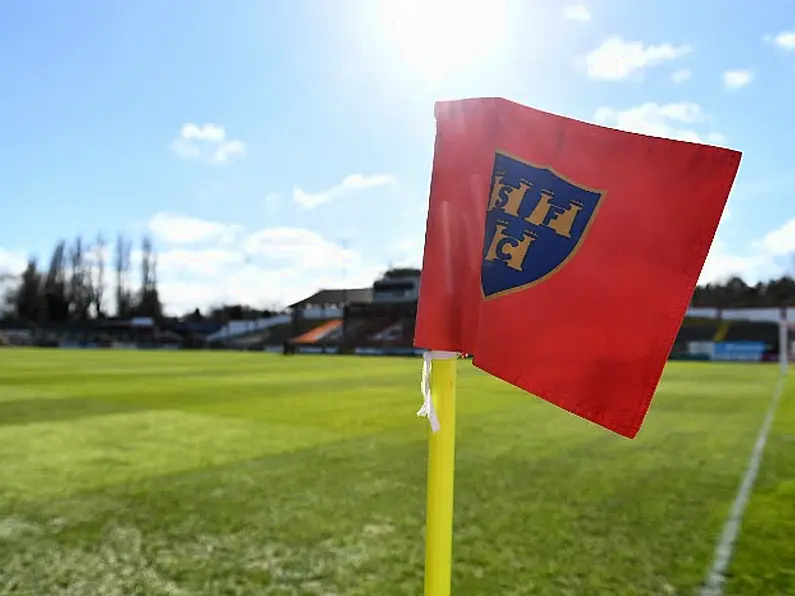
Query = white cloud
x=721 y=265
x=258 y=286
x=680 y=76
x=767 y=258
x=206 y=142
x=577 y=12
x=249 y=285
x=674 y=121
x=202 y=262
x=351 y=184
x=407 y=251
x=207 y=262
x=780 y=241
x=735 y=79
x=617 y=59
x=205 y=132
x=784 y=40
x=178 y=229
x=12 y=262
x=300 y=247
x=265 y=267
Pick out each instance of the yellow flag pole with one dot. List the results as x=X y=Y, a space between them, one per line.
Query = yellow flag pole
x=441 y=474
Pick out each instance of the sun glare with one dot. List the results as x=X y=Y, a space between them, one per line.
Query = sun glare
x=436 y=38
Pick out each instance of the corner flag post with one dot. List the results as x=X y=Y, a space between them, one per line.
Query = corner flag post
x=441 y=474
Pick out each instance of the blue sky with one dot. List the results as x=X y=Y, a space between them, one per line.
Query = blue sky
x=275 y=147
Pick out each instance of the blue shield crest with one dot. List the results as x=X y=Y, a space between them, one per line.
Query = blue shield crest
x=535 y=221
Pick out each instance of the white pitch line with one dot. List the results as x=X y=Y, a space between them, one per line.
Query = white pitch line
x=723 y=553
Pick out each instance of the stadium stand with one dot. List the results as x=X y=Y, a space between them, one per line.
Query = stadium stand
x=15 y=334
x=235 y=329
x=697 y=329
x=280 y=336
x=320 y=332
x=374 y=320
x=721 y=331
x=329 y=299
x=752 y=331
x=378 y=319
x=381 y=319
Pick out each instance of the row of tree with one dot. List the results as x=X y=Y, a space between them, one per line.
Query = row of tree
x=735 y=293
x=72 y=286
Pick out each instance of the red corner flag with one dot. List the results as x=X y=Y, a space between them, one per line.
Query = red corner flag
x=563 y=255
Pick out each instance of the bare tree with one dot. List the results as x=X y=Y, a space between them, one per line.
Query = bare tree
x=146 y=259
x=119 y=274
x=124 y=305
x=55 y=298
x=80 y=283
x=25 y=300
x=149 y=301
x=100 y=248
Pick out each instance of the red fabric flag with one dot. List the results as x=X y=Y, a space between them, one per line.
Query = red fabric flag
x=563 y=255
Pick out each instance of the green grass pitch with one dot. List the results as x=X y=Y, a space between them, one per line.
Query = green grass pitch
x=126 y=473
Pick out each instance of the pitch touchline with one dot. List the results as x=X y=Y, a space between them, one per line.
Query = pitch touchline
x=723 y=553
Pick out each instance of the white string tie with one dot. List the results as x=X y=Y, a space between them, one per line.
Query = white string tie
x=427 y=410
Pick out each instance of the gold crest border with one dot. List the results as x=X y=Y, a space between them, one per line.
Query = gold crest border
x=602 y=194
